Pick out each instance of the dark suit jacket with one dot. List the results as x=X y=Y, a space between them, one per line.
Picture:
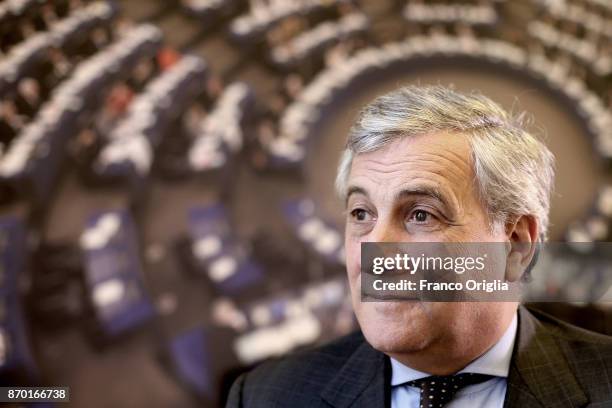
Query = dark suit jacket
x=553 y=365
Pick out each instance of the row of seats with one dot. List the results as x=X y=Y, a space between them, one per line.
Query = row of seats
x=598 y=225
x=97 y=283
x=583 y=50
x=221 y=132
x=289 y=148
x=131 y=143
x=218 y=254
x=598 y=24
x=113 y=273
x=32 y=69
x=14 y=8
x=571 y=272
x=114 y=280
x=596 y=6
x=35 y=155
x=480 y=14
x=314 y=41
x=275 y=309
x=16 y=358
x=209 y=9
x=263 y=15
x=19 y=18
x=284 y=322
x=231 y=267
x=200 y=357
x=322 y=236
x=23 y=59
x=594 y=111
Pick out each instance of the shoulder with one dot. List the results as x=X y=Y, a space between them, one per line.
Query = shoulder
x=303 y=375
x=312 y=366
x=586 y=351
x=565 y=332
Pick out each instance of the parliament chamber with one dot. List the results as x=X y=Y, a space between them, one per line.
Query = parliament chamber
x=167 y=212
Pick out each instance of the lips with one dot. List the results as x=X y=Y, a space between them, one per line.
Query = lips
x=388 y=297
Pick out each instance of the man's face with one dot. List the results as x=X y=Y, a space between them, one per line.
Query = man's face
x=417 y=189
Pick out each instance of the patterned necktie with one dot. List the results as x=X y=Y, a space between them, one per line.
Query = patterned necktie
x=437 y=391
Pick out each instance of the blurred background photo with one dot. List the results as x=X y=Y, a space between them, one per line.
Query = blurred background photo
x=167 y=212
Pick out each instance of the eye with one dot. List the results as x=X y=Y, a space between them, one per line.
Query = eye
x=359 y=214
x=420 y=216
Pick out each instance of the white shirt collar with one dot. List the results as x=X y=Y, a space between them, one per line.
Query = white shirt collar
x=495 y=362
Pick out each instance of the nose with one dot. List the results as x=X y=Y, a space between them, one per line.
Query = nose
x=386 y=231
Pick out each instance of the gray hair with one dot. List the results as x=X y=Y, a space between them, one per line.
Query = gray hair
x=514 y=170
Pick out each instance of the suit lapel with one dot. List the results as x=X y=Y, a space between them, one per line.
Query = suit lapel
x=362 y=381
x=540 y=375
x=518 y=394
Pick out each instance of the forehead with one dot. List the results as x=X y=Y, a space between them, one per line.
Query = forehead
x=440 y=160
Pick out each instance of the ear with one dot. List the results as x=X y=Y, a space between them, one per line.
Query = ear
x=522 y=236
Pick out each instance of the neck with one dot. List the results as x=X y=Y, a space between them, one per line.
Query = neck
x=449 y=356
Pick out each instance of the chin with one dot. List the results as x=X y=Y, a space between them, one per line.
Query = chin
x=394 y=327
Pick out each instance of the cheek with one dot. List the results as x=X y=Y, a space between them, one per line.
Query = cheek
x=353 y=255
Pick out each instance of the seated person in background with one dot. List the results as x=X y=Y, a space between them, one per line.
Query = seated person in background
x=10 y=124
x=428 y=164
x=167 y=57
x=28 y=97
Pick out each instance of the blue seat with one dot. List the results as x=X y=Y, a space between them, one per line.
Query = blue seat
x=218 y=254
x=320 y=235
x=113 y=273
x=191 y=361
x=18 y=359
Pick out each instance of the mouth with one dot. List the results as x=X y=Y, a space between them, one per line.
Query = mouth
x=389 y=272
x=388 y=297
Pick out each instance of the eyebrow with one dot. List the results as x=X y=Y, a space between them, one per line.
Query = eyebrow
x=427 y=191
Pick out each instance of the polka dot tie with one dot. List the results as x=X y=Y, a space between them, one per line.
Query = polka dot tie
x=438 y=391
